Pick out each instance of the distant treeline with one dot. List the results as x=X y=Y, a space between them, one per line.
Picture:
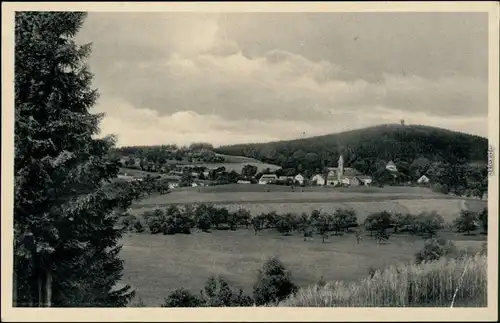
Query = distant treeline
x=457 y=161
x=159 y=155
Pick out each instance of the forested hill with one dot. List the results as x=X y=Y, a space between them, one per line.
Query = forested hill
x=366 y=149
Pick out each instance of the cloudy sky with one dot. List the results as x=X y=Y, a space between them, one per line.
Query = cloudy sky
x=253 y=77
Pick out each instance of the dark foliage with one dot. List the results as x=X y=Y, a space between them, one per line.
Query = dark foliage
x=274 y=283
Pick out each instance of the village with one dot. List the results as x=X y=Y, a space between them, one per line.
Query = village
x=195 y=175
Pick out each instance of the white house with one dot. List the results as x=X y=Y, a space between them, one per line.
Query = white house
x=125 y=177
x=350 y=180
x=318 y=179
x=423 y=180
x=300 y=179
x=267 y=178
x=173 y=185
x=366 y=180
x=391 y=167
x=194 y=184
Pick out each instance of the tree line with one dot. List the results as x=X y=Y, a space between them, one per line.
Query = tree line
x=153 y=158
x=380 y=225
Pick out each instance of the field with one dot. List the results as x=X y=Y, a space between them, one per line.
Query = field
x=237 y=167
x=237 y=159
x=156 y=264
x=231 y=163
x=283 y=199
x=426 y=285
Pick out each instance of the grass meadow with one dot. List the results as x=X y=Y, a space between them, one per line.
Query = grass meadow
x=157 y=264
x=363 y=204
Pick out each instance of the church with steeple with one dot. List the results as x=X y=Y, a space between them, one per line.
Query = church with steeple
x=345 y=176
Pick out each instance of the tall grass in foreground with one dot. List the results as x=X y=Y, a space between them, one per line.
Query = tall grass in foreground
x=428 y=284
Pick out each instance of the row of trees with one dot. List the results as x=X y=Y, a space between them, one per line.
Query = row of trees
x=274 y=283
x=426 y=224
x=156 y=157
x=204 y=217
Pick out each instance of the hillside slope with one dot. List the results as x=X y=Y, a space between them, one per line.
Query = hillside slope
x=366 y=147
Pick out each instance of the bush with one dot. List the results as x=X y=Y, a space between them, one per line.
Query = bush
x=378 y=223
x=218 y=293
x=156 y=221
x=483 y=218
x=348 y=218
x=182 y=298
x=429 y=224
x=203 y=218
x=325 y=222
x=274 y=283
x=138 y=226
x=127 y=221
x=303 y=222
x=244 y=217
x=434 y=249
x=271 y=219
x=466 y=222
x=400 y=222
x=132 y=223
x=258 y=223
x=284 y=224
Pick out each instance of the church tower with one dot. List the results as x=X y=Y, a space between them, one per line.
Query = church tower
x=341 y=167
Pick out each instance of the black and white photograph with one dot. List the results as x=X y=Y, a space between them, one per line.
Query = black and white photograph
x=206 y=158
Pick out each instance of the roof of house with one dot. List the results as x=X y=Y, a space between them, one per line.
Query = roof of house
x=364 y=177
x=391 y=163
x=317 y=175
x=269 y=176
x=351 y=172
x=348 y=177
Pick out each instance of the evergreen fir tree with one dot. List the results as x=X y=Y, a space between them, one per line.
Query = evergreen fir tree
x=65 y=213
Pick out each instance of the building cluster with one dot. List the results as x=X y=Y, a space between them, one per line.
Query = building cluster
x=334 y=176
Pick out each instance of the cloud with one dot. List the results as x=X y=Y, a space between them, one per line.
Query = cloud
x=134 y=126
x=204 y=72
